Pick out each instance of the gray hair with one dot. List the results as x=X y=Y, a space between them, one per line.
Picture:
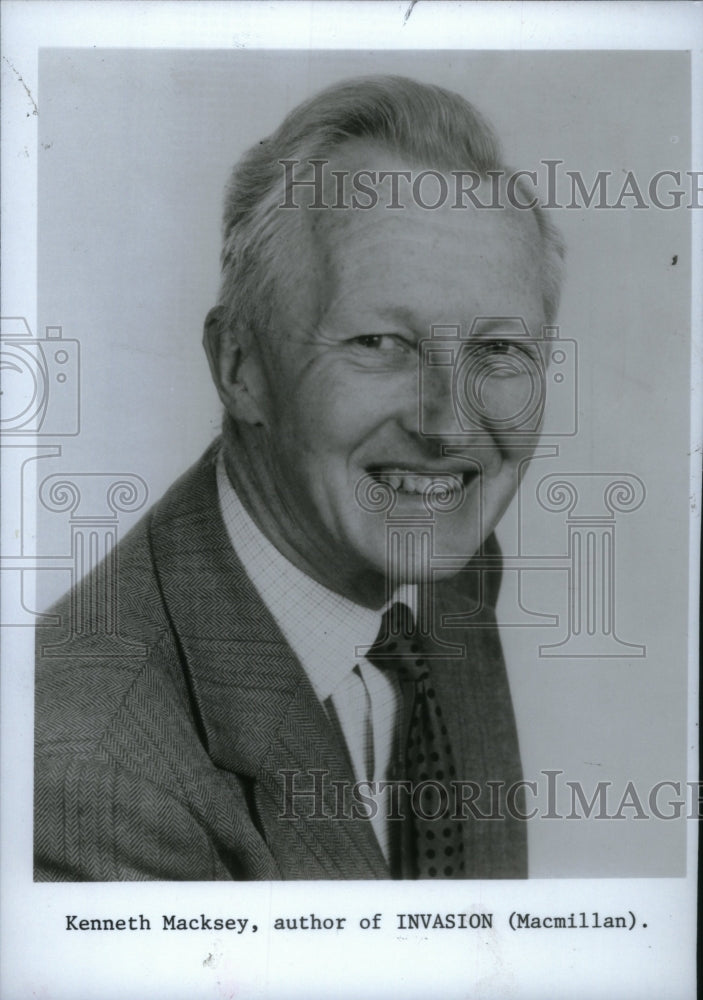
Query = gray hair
x=424 y=122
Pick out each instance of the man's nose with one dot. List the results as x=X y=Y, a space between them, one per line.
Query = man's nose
x=437 y=415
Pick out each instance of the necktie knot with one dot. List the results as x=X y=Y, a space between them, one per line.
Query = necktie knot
x=398 y=648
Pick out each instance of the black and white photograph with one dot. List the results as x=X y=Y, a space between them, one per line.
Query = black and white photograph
x=351 y=489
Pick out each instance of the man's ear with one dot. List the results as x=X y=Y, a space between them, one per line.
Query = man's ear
x=227 y=351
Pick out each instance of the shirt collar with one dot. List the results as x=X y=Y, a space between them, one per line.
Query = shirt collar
x=326 y=631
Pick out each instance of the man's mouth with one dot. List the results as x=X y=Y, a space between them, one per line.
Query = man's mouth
x=420 y=484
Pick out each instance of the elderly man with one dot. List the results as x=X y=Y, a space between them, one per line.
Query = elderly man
x=308 y=681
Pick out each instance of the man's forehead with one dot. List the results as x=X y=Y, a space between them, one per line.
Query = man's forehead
x=374 y=243
x=426 y=236
x=366 y=183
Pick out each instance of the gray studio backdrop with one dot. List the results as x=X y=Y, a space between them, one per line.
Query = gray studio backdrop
x=135 y=149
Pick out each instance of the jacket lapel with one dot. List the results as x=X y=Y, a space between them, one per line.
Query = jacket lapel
x=258 y=713
x=475 y=697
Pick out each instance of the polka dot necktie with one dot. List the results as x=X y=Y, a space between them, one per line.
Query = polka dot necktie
x=427 y=843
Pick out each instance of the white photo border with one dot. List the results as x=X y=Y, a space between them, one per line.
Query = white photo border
x=39 y=957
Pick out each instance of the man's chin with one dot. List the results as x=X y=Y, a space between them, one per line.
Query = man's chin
x=411 y=559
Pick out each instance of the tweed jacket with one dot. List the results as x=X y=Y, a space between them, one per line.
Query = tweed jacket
x=171 y=721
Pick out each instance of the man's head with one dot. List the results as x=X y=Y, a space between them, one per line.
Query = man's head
x=316 y=343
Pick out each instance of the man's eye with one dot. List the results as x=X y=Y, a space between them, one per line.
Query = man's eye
x=503 y=358
x=503 y=348
x=385 y=342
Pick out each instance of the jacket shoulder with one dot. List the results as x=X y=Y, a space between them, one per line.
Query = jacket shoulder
x=113 y=635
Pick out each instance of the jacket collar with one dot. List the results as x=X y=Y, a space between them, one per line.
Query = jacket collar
x=257 y=711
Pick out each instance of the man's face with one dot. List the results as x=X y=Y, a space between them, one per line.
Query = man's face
x=342 y=396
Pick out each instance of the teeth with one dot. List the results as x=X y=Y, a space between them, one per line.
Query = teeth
x=418 y=484
x=410 y=483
